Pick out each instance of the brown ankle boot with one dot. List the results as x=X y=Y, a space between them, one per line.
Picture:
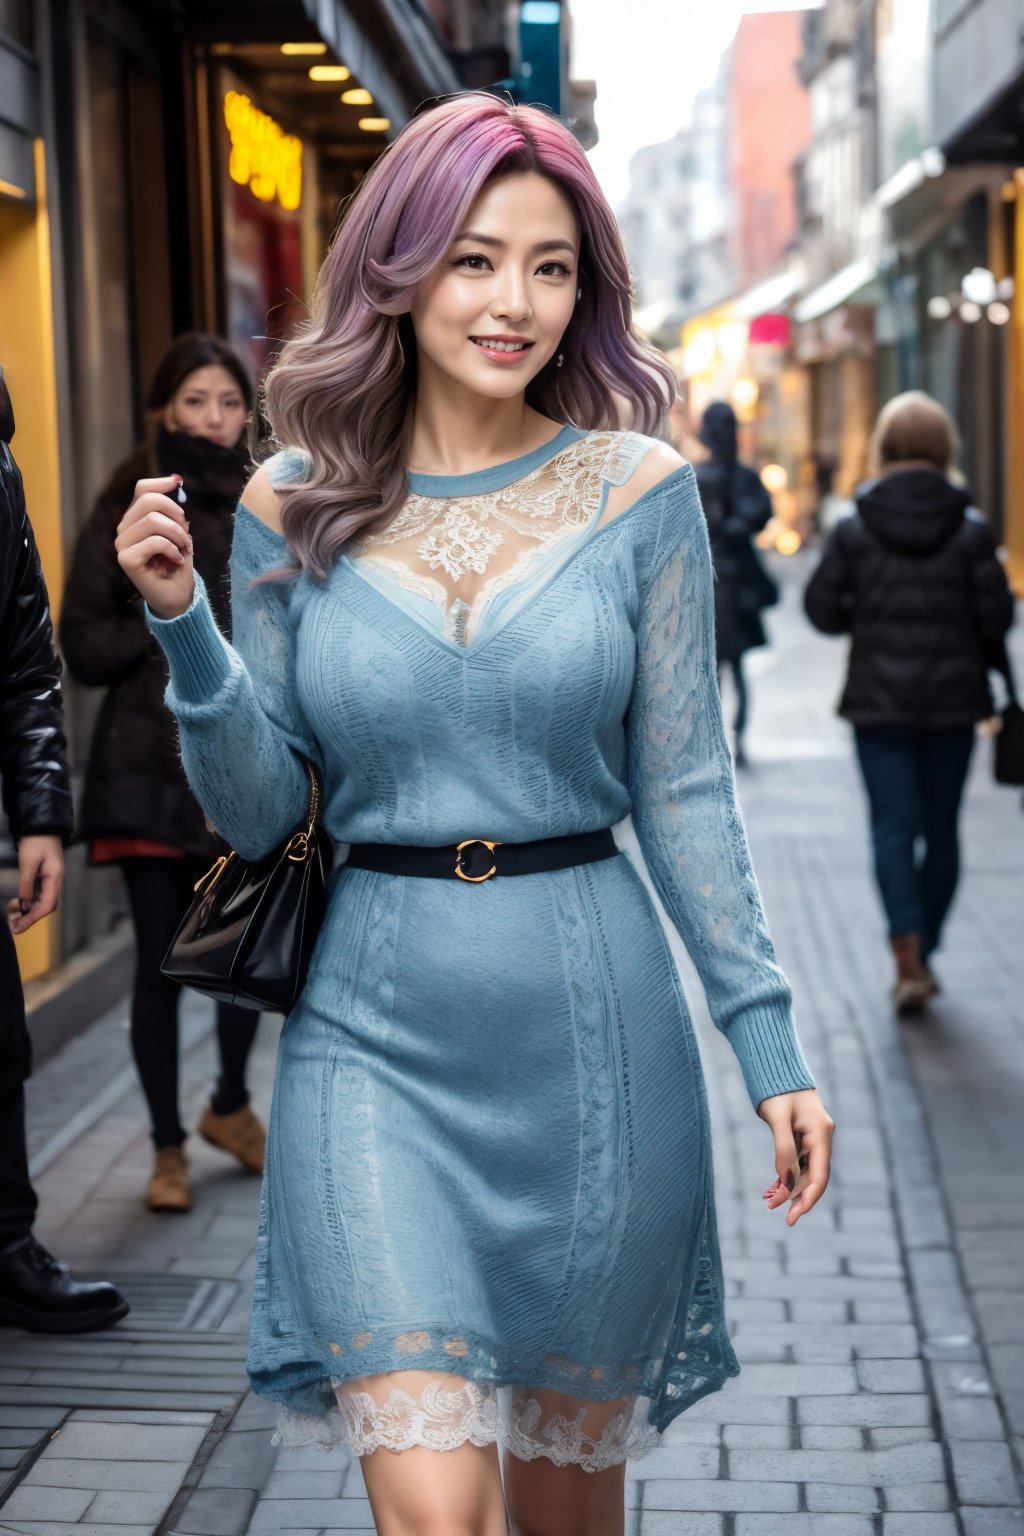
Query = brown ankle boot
x=169 y=1187
x=239 y=1133
x=913 y=986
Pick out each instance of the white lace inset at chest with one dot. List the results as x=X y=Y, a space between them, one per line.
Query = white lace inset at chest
x=457 y=553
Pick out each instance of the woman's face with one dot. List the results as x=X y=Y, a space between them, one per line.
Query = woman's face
x=208 y=403
x=494 y=313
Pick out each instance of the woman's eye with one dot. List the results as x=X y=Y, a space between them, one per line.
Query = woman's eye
x=554 y=269
x=476 y=263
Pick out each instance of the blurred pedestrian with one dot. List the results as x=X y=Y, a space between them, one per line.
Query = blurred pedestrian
x=137 y=810
x=914 y=578
x=737 y=507
x=482 y=609
x=36 y=1290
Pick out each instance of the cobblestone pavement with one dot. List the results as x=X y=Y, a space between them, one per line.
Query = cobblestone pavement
x=882 y=1341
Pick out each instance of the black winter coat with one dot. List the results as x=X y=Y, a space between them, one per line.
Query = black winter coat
x=736 y=507
x=135 y=785
x=913 y=577
x=33 y=751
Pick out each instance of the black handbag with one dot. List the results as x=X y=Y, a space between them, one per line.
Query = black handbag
x=249 y=934
x=1008 y=753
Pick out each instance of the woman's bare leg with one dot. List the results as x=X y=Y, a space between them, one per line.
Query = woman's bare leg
x=546 y=1500
x=421 y=1492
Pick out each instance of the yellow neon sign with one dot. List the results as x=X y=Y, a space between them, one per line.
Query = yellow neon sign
x=263 y=157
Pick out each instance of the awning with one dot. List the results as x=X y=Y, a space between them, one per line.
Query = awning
x=425 y=69
x=856 y=283
x=772 y=295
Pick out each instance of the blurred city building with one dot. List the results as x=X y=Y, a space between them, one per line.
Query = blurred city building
x=895 y=261
x=170 y=165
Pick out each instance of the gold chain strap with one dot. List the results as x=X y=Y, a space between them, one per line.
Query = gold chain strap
x=297 y=849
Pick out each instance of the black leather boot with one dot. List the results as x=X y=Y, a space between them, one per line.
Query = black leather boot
x=38 y=1293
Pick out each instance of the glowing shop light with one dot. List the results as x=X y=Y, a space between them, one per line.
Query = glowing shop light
x=374 y=124
x=998 y=313
x=788 y=541
x=970 y=312
x=699 y=352
x=732 y=342
x=296 y=50
x=774 y=478
x=744 y=394
x=357 y=97
x=939 y=308
x=979 y=286
x=330 y=72
x=263 y=157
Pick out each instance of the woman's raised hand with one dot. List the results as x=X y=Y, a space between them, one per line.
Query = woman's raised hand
x=154 y=548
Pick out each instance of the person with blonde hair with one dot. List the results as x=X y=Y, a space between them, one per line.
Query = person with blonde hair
x=483 y=611
x=914 y=578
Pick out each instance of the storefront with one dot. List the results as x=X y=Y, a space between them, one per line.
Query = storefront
x=742 y=352
x=27 y=351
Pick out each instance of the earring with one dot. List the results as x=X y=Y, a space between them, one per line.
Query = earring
x=561 y=360
x=579 y=294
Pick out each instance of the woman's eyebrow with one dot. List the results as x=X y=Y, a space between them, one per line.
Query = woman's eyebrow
x=542 y=245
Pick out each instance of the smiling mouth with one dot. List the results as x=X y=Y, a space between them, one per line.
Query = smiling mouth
x=511 y=345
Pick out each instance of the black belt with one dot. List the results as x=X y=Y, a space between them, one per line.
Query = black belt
x=477 y=860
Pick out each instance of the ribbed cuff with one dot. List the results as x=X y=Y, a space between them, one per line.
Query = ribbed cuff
x=768 y=1051
x=196 y=651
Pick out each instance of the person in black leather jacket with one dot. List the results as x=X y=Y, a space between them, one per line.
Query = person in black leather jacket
x=36 y=1291
x=915 y=580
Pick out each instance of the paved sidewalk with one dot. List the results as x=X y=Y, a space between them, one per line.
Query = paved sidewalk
x=882 y=1341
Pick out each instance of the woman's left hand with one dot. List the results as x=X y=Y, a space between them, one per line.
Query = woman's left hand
x=803 y=1133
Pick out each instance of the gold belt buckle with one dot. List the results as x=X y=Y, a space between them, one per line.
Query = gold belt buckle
x=476 y=842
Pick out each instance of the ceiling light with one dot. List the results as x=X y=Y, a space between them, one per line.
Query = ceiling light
x=998 y=313
x=330 y=72
x=979 y=286
x=357 y=97
x=970 y=311
x=295 y=50
x=939 y=308
x=374 y=124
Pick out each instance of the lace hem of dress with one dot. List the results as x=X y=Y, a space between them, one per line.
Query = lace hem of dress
x=475 y=1413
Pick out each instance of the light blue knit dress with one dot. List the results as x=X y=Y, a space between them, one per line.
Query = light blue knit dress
x=489 y=1155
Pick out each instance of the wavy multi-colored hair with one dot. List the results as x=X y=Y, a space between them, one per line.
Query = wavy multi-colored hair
x=343 y=388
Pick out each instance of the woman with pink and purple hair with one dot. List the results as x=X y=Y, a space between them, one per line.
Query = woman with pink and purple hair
x=485 y=614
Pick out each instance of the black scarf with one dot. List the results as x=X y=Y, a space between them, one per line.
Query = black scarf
x=213 y=474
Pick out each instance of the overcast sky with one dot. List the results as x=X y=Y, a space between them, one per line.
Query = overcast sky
x=650 y=58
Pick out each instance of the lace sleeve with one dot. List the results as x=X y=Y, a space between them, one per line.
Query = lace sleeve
x=239 y=723
x=685 y=812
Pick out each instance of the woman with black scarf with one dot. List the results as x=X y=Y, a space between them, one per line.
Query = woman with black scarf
x=137 y=810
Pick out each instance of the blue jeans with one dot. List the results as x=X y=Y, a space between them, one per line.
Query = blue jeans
x=914 y=782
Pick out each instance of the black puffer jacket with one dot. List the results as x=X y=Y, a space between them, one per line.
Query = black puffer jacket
x=135 y=785
x=914 y=579
x=33 y=751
